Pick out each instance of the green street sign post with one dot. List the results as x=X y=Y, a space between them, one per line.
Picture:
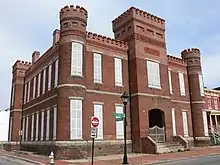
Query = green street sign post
x=119 y=116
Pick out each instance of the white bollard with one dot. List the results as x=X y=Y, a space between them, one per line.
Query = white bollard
x=51 y=158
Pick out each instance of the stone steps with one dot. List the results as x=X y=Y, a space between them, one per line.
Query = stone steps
x=169 y=147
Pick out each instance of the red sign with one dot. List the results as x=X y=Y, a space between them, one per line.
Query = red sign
x=94 y=122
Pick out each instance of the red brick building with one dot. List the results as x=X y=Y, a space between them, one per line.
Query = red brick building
x=83 y=74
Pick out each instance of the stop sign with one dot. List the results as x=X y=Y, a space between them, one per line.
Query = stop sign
x=95 y=122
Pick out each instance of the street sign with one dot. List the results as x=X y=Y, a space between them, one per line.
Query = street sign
x=94 y=121
x=120 y=115
x=94 y=131
x=119 y=118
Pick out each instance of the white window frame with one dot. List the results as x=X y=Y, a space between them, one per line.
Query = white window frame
x=49 y=77
x=27 y=123
x=182 y=84
x=56 y=73
x=42 y=126
x=32 y=127
x=77 y=59
x=170 y=81
x=98 y=112
x=185 y=124
x=29 y=90
x=209 y=103
x=55 y=122
x=153 y=74
x=97 y=67
x=37 y=127
x=201 y=85
x=118 y=71
x=38 y=84
x=44 y=81
x=173 y=121
x=216 y=103
x=76 y=121
x=23 y=129
x=34 y=87
x=119 y=124
x=48 y=124
x=12 y=95
x=25 y=93
x=205 y=122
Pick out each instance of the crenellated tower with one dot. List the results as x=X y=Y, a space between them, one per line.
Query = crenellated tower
x=196 y=89
x=18 y=73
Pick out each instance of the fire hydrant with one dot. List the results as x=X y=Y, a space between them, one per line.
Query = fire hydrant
x=51 y=158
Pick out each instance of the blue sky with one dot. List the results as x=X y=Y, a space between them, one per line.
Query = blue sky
x=27 y=26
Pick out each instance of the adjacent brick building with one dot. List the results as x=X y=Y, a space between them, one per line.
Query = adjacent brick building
x=84 y=74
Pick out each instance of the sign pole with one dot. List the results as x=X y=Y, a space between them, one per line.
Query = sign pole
x=93 y=140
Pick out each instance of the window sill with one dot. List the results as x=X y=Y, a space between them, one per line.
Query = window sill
x=153 y=87
x=119 y=85
x=76 y=75
x=97 y=82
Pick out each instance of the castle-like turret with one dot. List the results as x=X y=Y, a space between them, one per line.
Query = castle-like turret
x=196 y=89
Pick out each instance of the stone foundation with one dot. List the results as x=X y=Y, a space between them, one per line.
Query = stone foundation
x=74 y=149
x=202 y=141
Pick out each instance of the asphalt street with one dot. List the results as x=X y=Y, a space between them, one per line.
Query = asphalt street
x=4 y=160
x=208 y=160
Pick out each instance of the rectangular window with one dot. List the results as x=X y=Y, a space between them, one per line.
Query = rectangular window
x=44 y=81
x=10 y=130
x=49 y=76
x=170 y=81
x=153 y=72
x=216 y=103
x=37 y=126
x=75 y=119
x=23 y=129
x=29 y=90
x=48 y=125
x=201 y=85
x=56 y=73
x=174 y=122
x=209 y=103
x=34 y=88
x=12 y=95
x=119 y=124
x=55 y=122
x=182 y=84
x=118 y=71
x=38 y=85
x=97 y=67
x=98 y=112
x=77 y=59
x=205 y=122
x=32 y=127
x=27 y=120
x=25 y=93
x=42 y=125
x=185 y=124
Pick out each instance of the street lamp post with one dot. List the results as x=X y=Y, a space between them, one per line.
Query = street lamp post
x=125 y=99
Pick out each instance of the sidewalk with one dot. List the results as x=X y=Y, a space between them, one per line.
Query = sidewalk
x=134 y=159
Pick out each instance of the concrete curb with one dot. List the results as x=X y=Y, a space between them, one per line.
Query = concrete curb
x=24 y=159
x=176 y=160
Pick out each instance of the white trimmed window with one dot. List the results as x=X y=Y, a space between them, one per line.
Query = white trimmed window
x=216 y=103
x=38 y=84
x=75 y=119
x=29 y=90
x=10 y=129
x=77 y=59
x=44 y=81
x=42 y=126
x=48 y=125
x=56 y=73
x=173 y=121
x=119 y=124
x=209 y=103
x=98 y=112
x=185 y=124
x=182 y=84
x=170 y=81
x=153 y=73
x=55 y=122
x=201 y=85
x=23 y=129
x=49 y=77
x=25 y=93
x=118 y=71
x=32 y=127
x=97 y=67
x=27 y=120
x=12 y=95
x=34 y=88
x=205 y=122
x=37 y=126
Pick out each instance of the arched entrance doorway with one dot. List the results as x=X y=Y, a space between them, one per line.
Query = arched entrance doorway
x=157 y=125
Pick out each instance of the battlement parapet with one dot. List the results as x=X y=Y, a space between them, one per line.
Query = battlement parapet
x=190 y=51
x=71 y=10
x=21 y=65
x=176 y=60
x=135 y=12
x=106 y=40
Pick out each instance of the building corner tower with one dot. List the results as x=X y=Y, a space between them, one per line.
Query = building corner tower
x=197 y=96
